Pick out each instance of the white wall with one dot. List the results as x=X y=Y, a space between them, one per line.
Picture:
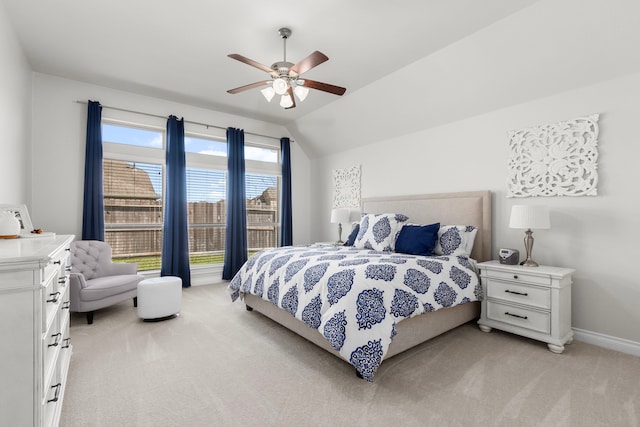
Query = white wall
x=595 y=235
x=15 y=117
x=59 y=134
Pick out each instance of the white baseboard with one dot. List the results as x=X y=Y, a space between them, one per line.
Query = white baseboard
x=607 y=341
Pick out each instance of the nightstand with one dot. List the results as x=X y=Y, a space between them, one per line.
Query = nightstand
x=534 y=302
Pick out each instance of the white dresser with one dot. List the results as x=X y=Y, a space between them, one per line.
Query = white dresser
x=534 y=302
x=34 y=326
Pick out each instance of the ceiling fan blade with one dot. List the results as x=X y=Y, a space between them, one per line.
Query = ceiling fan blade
x=250 y=62
x=313 y=60
x=249 y=86
x=325 y=87
x=293 y=98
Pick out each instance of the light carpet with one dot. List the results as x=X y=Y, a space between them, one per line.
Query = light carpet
x=220 y=365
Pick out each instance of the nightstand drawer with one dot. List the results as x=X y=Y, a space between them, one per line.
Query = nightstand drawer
x=530 y=319
x=522 y=294
x=519 y=276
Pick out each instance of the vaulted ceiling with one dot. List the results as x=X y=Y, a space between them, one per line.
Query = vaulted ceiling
x=178 y=50
x=406 y=65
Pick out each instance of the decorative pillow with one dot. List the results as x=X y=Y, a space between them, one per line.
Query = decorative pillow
x=417 y=239
x=379 y=231
x=455 y=240
x=352 y=236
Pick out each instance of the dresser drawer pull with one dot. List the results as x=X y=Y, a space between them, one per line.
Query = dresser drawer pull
x=515 y=276
x=68 y=249
x=515 y=315
x=57 y=262
x=57 y=395
x=57 y=337
x=54 y=296
x=66 y=305
x=67 y=268
x=517 y=293
x=67 y=343
x=62 y=280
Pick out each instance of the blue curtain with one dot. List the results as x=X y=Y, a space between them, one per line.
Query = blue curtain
x=286 y=216
x=175 y=237
x=235 y=245
x=93 y=204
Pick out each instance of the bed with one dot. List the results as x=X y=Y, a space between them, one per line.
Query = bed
x=407 y=327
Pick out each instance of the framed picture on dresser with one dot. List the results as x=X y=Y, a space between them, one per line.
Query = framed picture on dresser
x=22 y=215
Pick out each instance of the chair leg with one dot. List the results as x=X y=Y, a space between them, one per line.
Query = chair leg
x=89 y=317
x=135 y=301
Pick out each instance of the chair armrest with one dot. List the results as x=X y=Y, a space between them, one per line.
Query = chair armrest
x=77 y=281
x=118 y=268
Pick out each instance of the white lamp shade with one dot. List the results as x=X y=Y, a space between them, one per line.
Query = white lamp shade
x=340 y=215
x=533 y=217
x=301 y=92
x=286 y=101
x=268 y=93
x=280 y=86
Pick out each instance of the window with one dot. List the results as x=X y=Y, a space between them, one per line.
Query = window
x=133 y=195
x=262 y=211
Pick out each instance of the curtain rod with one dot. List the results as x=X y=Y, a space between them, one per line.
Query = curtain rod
x=186 y=121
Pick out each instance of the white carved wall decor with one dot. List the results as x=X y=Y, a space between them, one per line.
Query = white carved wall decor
x=346 y=187
x=554 y=160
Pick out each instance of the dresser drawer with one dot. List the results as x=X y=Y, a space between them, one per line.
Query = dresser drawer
x=521 y=317
x=520 y=293
x=518 y=276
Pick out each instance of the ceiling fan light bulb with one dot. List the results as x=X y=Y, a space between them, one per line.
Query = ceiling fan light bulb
x=280 y=86
x=268 y=93
x=286 y=101
x=301 y=92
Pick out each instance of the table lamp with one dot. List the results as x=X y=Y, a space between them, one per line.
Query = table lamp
x=529 y=217
x=340 y=215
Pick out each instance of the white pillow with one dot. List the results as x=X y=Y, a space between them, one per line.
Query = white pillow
x=455 y=240
x=379 y=231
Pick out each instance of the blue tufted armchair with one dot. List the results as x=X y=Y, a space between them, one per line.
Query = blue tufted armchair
x=96 y=282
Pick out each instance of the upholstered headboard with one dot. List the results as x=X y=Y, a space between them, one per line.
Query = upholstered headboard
x=464 y=208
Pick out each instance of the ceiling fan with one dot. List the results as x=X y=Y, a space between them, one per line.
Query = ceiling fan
x=285 y=76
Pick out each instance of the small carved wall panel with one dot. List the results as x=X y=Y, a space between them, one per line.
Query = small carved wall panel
x=555 y=159
x=346 y=187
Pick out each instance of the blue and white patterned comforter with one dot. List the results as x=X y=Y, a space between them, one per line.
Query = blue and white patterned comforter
x=355 y=297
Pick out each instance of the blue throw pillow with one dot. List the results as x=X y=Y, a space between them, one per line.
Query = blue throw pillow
x=417 y=239
x=352 y=236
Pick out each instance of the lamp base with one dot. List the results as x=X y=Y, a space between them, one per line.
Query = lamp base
x=529 y=263
x=528 y=245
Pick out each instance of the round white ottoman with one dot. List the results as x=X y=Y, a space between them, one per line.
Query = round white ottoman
x=159 y=298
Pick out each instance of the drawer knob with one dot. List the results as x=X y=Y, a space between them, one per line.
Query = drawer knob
x=524 y=294
x=515 y=315
x=515 y=276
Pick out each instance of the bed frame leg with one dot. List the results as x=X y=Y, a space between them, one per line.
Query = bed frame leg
x=359 y=375
x=249 y=308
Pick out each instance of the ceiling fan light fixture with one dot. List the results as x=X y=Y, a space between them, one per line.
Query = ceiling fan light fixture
x=280 y=86
x=268 y=93
x=286 y=101
x=301 y=92
x=285 y=76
